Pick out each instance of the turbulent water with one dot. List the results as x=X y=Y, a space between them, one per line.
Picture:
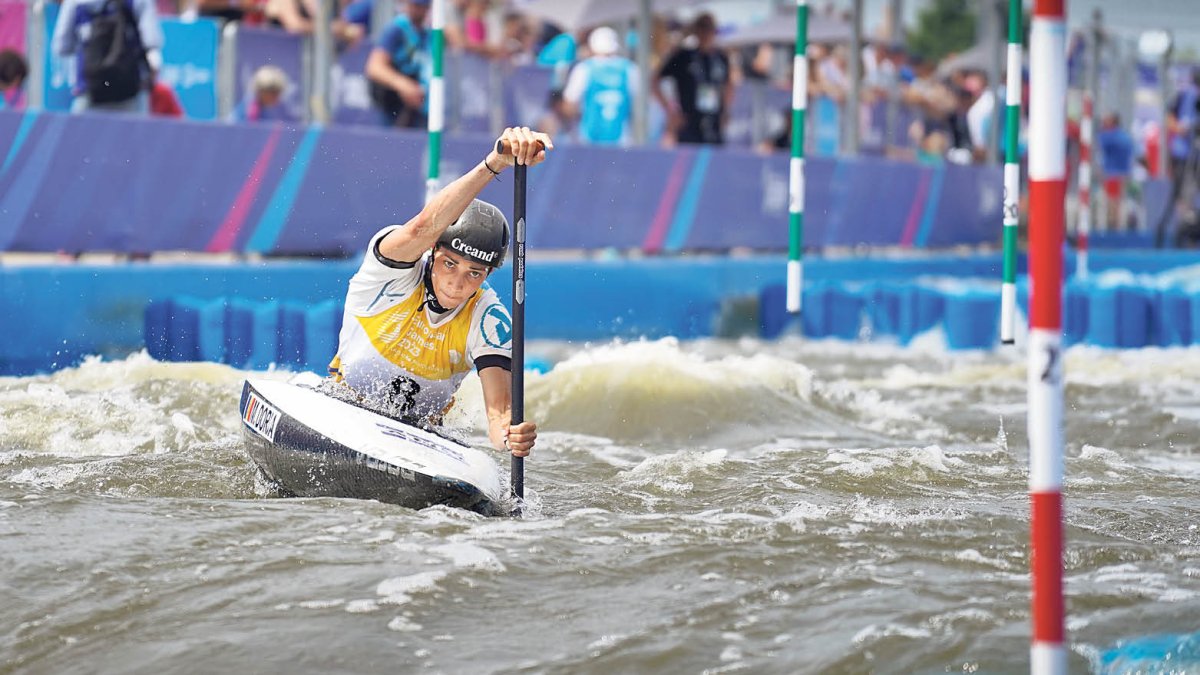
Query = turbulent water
x=716 y=506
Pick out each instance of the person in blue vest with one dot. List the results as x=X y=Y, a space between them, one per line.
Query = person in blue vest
x=399 y=68
x=600 y=91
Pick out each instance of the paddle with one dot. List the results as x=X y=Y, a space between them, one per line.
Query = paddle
x=518 y=318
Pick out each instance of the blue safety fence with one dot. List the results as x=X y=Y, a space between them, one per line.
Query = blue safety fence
x=1105 y=313
x=133 y=184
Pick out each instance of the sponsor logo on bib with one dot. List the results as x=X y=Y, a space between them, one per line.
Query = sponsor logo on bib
x=261 y=417
x=496 y=327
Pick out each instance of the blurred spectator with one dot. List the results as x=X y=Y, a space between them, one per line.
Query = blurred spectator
x=981 y=114
x=962 y=148
x=250 y=11
x=356 y=16
x=296 y=16
x=879 y=71
x=163 y=101
x=265 y=101
x=601 y=90
x=559 y=53
x=13 y=71
x=832 y=69
x=399 y=68
x=474 y=26
x=114 y=66
x=1181 y=123
x=1116 y=159
x=703 y=86
x=517 y=39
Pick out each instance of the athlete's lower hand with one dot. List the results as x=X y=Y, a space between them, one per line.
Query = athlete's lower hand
x=519 y=438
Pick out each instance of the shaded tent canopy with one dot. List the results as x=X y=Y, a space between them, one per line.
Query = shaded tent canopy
x=781 y=29
x=978 y=57
x=572 y=15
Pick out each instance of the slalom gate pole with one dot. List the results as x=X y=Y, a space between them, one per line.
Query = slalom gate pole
x=1047 y=193
x=795 y=266
x=437 y=99
x=1012 y=176
x=520 y=176
x=1083 y=225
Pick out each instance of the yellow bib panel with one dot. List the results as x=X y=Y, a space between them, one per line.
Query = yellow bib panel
x=404 y=336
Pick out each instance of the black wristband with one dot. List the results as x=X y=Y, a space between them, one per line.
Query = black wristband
x=485 y=165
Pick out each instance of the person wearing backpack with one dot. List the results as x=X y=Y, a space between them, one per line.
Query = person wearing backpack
x=117 y=48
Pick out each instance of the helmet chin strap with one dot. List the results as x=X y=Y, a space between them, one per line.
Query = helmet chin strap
x=431 y=300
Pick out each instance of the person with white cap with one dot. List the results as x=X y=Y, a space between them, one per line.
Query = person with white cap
x=600 y=91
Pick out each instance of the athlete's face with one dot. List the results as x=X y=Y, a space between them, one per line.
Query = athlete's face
x=455 y=277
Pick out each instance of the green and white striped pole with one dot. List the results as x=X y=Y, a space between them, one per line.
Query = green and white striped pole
x=1012 y=175
x=795 y=267
x=437 y=99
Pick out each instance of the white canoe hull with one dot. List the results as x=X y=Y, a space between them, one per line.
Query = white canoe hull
x=316 y=446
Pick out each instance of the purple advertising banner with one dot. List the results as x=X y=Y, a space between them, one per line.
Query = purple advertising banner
x=296 y=190
x=12 y=25
x=526 y=90
x=262 y=46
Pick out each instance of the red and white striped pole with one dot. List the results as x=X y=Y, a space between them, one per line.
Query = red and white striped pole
x=1047 y=196
x=1083 y=224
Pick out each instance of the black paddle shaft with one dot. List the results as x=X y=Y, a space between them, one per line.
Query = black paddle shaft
x=518 y=315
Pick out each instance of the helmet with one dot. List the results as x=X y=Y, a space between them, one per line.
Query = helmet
x=480 y=234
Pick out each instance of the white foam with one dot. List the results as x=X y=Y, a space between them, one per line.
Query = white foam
x=321 y=604
x=973 y=556
x=470 y=556
x=362 y=606
x=399 y=590
x=670 y=472
x=875 y=632
x=401 y=624
x=865 y=462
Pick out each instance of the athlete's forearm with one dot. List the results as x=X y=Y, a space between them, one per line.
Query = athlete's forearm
x=420 y=233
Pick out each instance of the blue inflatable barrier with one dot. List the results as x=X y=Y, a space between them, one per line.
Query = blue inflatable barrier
x=1075 y=312
x=921 y=308
x=814 y=317
x=186 y=329
x=883 y=309
x=1119 y=316
x=1171 y=318
x=251 y=334
x=308 y=335
x=1153 y=654
x=972 y=319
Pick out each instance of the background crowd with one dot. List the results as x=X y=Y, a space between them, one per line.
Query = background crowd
x=913 y=104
